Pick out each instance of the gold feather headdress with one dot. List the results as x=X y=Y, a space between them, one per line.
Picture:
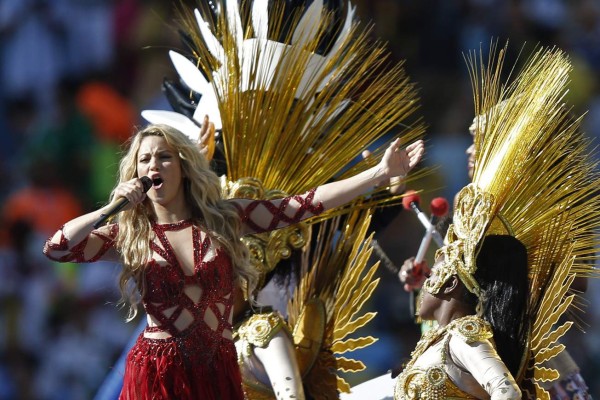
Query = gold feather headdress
x=532 y=166
x=292 y=116
x=534 y=179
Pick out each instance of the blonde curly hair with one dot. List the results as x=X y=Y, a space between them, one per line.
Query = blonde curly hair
x=203 y=195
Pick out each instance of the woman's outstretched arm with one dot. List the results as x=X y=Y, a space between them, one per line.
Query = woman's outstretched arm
x=396 y=162
x=266 y=215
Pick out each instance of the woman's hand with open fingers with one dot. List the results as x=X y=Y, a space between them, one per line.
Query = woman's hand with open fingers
x=399 y=162
x=206 y=140
x=394 y=162
x=395 y=184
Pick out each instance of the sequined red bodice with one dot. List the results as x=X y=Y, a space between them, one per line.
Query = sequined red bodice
x=198 y=359
x=165 y=296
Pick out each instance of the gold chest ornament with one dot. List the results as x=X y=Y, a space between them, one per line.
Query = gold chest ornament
x=433 y=382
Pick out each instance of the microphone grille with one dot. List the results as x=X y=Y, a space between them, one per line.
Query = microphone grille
x=146 y=183
x=410 y=197
x=439 y=206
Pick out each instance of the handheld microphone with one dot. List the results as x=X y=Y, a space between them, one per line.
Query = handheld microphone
x=411 y=202
x=439 y=207
x=122 y=202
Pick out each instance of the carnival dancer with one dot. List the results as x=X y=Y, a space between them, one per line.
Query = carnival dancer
x=570 y=384
x=501 y=281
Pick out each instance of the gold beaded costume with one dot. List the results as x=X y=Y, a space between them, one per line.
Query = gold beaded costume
x=288 y=96
x=535 y=180
x=432 y=382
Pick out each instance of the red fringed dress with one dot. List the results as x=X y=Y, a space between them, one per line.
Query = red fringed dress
x=198 y=360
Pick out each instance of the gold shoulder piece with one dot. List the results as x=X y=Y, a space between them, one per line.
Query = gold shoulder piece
x=269 y=248
x=471 y=329
x=259 y=329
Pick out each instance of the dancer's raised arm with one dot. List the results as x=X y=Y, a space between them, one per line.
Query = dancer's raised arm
x=396 y=162
x=266 y=215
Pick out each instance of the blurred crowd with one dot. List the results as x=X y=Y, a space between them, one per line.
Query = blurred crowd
x=74 y=76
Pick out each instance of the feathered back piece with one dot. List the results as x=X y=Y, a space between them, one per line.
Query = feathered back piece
x=297 y=99
x=291 y=117
x=534 y=179
x=327 y=308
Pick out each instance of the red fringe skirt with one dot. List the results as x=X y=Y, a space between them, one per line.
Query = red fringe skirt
x=185 y=368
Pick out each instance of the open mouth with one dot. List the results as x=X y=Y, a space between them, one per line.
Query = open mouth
x=157 y=182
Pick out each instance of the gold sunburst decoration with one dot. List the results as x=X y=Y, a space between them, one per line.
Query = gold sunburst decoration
x=292 y=115
x=337 y=284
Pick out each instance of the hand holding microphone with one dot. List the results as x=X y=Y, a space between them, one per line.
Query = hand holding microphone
x=122 y=201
